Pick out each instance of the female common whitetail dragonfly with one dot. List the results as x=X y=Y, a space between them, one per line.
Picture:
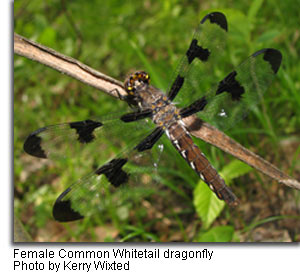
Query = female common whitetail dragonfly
x=223 y=106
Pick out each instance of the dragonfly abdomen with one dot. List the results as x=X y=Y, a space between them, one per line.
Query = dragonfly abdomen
x=183 y=142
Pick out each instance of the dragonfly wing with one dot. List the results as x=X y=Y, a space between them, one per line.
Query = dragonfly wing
x=71 y=139
x=119 y=179
x=96 y=191
x=205 y=52
x=231 y=100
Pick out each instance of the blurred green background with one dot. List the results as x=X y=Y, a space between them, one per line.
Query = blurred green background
x=116 y=38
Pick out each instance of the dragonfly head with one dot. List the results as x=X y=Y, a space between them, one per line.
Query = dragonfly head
x=135 y=82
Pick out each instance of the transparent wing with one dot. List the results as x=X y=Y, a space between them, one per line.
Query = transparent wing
x=72 y=139
x=108 y=185
x=205 y=52
x=233 y=97
x=96 y=191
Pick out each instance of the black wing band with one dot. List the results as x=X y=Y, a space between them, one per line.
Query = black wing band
x=150 y=140
x=193 y=108
x=85 y=129
x=114 y=172
x=62 y=210
x=32 y=144
x=84 y=133
x=216 y=18
x=177 y=84
x=196 y=51
x=232 y=86
x=272 y=56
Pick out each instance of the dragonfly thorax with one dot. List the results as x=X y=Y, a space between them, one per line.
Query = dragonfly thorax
x=165 y=115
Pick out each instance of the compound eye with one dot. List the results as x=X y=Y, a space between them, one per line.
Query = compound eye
x=144 y=76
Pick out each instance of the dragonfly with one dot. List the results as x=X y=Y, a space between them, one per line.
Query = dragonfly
x=155 y=114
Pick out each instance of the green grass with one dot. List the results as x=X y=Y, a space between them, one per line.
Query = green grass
x=118 y=37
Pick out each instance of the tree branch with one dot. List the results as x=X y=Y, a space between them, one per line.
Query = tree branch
x=66 y=65
x=202 y=130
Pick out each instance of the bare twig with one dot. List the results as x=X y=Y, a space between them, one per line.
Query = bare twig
x=66 y=65
x=202 y=130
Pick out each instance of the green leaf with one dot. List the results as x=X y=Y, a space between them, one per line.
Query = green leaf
x=217 y=234
x=234 y=169
x=268 y=36
x=207 y=204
